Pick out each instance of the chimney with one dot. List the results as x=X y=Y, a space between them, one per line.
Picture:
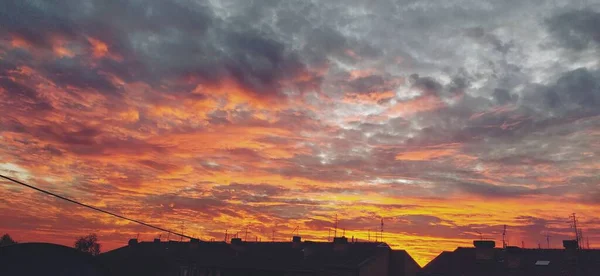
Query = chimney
x=571 y=250
x=296 y=241
x=236 y=241
x=340 y=244
x=570 y=244
x=484 y=250
x=132 y=242
x=194 y=243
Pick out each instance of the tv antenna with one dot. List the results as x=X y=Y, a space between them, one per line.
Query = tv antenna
x=547 y=240
x=335 y=225
x=574 y=225
x=246 y=236
x=480 y=235
x=296 y=230
x=381 y=231
x=504 y=237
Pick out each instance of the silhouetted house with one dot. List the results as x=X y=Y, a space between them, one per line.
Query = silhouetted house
x=260 y=258
x=485 y=259
x=46 y=259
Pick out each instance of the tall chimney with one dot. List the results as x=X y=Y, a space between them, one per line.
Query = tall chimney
x=484 y=250
x=132 y=242
x=340 y=244
x=296 y=241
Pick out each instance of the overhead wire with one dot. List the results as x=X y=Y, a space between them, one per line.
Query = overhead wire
x=94 y=208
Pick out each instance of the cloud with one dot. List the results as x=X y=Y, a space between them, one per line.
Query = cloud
x=575 y=29
x=442 y=118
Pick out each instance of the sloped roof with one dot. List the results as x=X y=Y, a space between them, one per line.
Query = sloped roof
x=46 y=259
x=308 y=256
x=518 y=261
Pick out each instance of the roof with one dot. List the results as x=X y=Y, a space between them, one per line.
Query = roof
x=518 y=261
x=305 y=256
x=46 y=259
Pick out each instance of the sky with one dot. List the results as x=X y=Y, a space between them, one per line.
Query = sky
x=445 y=118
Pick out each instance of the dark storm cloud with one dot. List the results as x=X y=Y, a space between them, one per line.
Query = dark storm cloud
x=577 y=29
x=577 y=90
x=66 y=72
x=157 y=39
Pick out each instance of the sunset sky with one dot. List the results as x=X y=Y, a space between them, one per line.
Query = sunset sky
x=446 y=118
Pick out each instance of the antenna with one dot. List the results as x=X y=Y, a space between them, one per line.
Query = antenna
x=329 y=235
x=522 y=244
x=581 y=238
x=547 y=240
x=168 y=236
x=246 y=237
x=381 y=233
x=369 y=234
x=273 y=236
x=504 y=237
x=335 y=225
x=225 y=235
x=588 y=243
x=182 y=227
x=574 y=225
x=480 y=235
x=296 y=230
x=343 y=232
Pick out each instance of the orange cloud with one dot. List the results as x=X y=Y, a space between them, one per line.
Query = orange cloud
x=428 y=154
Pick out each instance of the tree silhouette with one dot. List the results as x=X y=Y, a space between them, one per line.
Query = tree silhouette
x=6 y=240
x=88 y=244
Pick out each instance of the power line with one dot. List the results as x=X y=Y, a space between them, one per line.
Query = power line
x=94 y=208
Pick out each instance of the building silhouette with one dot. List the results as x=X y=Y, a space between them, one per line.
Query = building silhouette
x=239 y=257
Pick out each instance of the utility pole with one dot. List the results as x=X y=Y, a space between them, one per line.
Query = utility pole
x=547 y=240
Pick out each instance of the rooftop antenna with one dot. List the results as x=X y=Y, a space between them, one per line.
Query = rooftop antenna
x=246 y=237
x=539 y=245
x=329 y=235
x=273 y=236
x=335 y=225
x=480 y=235
x=522 y=244
x=547 y=240
x=381 y=233
x=574 y=225
x=343 y=232
x=581 y=239
x=138 y=236
x=588 y=242
x=504 y=237
x=296 y=230
x=225 y=235
x=182 y=227
x=369 y=234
